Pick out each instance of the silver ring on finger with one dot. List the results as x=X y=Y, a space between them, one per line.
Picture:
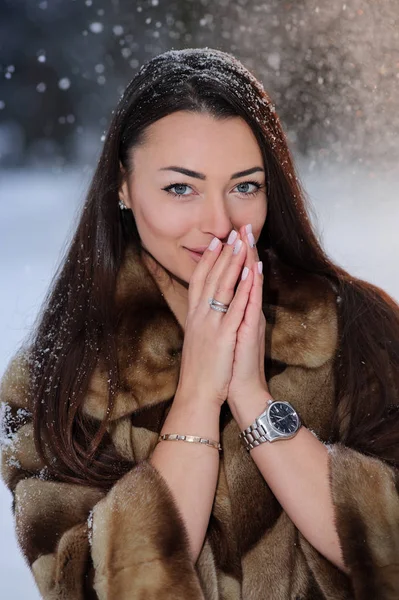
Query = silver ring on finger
x=218 y=306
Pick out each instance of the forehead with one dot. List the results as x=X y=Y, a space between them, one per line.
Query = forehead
x=184 y=137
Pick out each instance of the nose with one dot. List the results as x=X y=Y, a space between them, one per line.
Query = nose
x=215 y=217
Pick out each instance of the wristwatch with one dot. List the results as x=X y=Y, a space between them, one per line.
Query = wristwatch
x=279 y=421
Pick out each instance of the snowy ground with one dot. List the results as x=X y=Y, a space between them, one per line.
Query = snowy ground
x=356 y=215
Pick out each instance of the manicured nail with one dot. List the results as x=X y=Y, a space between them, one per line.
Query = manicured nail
x=244 y=273
x=251 y=239
x=248 y=228
x=232 y=237
x=214 y=243
x=260 y=267
x=237 y=247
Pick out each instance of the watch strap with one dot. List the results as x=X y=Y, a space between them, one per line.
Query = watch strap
x=253 y=436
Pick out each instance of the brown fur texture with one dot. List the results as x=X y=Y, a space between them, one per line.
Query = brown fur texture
x=130 y=543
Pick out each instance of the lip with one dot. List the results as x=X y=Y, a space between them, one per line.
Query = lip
x=198 y=249
x=195 y=255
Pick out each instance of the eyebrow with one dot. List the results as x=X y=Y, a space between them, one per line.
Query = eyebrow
x=190 y=173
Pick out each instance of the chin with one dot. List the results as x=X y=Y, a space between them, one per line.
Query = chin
x=182 y=275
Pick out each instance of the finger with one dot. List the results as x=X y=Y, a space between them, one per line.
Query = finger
x=221 y=285
x=216 y=253
x=252 y=254
x=235 y=314
x=254 y=308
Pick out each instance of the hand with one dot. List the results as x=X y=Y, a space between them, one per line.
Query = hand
x=248 y=378
x=210 y=336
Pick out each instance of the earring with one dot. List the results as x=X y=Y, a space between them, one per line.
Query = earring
x=122 y=205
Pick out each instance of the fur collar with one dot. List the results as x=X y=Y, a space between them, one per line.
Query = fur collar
x=300 y=310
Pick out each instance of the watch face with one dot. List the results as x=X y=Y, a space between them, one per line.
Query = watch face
x=283 y=417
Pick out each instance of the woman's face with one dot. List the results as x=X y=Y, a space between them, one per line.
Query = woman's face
x=175 y=211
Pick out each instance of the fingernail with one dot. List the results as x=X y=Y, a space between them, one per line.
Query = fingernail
x=232 y=237
x=245 y=272
x=237 y=247
x=251 y=239
x=260 y=267
x=214 y=243
x=248 y=228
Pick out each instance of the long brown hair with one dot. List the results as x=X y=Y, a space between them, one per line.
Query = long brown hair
x=76 y=324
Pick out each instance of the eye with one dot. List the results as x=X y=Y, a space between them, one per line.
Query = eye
x=257 y=186
x=181 y=187
x=178 y=186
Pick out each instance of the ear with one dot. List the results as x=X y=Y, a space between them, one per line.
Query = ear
x=123 y=190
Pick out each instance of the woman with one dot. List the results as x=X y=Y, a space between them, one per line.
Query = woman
x=161 y=323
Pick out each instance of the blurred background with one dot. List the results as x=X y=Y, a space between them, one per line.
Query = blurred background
x=331 y=68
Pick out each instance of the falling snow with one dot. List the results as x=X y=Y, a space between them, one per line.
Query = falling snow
x=90 y=527
x=118 y=30
x=64 y=83
x=96 y=27
x=330 y=92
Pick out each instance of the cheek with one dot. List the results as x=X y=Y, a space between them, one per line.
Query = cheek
x=161 y=221
x=255 y=214
x=262 y=216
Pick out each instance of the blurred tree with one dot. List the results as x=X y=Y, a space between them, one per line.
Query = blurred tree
x=331 y=68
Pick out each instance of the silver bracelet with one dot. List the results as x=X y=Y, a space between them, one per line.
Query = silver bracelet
x=196 y=439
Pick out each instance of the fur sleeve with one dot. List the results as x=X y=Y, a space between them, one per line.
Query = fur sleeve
x=83 y=544
x=139 y=542
x=365 y=493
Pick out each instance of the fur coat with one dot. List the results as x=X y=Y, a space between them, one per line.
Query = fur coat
x=130 y=543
